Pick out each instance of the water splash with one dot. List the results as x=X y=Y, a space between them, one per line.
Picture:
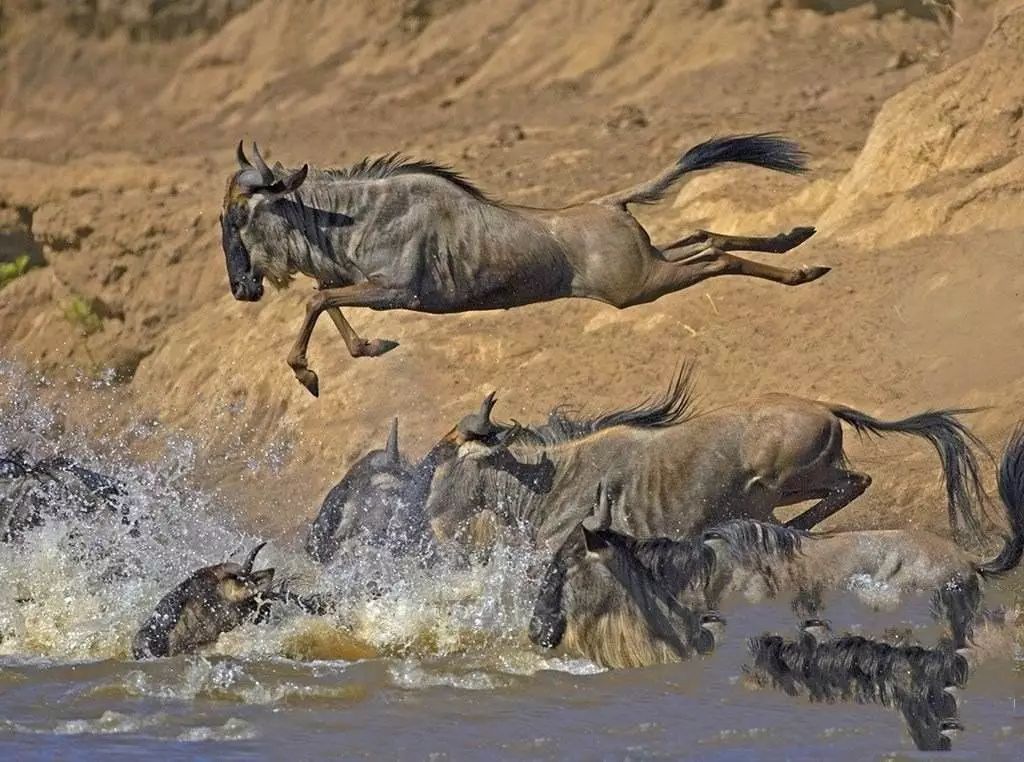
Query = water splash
x=78 y=587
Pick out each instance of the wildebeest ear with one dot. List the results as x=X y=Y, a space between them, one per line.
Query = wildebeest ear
x=593 y=541
x=288 y=184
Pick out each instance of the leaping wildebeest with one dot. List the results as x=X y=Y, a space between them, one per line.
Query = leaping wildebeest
x=392 y=233
x=676 y=470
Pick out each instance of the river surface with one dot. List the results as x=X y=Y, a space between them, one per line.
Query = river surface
x=435 y=667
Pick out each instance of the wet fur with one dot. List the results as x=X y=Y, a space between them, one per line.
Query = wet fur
x=212 y=601
x=759 y=560
x=911 y=679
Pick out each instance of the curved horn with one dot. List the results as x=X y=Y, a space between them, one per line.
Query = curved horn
x=391 y=448
x=261 y=166
x=251 y=558
x=478 y=425
x=604 y=507
x=243 y=160
x=487 y=406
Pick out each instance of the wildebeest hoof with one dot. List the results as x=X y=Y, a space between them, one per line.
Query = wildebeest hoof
x=375 y=347
x=812 y=273
x=798 y=235
x=309 y=380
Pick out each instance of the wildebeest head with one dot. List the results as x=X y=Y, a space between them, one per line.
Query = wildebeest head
x=373 y=500
x=478 y=467
x=212 y=601
x=249 y=190
x=602 y=603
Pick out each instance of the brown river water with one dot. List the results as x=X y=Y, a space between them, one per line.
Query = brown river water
x=437 y=667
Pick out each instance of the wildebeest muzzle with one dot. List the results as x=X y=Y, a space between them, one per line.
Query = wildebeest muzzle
x=246 y=283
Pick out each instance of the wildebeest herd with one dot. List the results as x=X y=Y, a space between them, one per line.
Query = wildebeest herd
x=654 y=520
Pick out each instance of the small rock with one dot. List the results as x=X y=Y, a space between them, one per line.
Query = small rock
x=627 y=116
x=901 y=60
x=114 y=274
x=509 y=134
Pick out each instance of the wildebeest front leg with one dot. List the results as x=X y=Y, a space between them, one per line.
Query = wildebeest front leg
x=359 y=295
x=704 y=241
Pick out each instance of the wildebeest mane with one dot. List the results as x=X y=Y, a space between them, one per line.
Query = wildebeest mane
x=674 y=406
x=675 y=563
x=755 y=542
x=395 y=164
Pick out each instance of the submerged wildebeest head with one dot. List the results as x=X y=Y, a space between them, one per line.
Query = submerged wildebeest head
x=213 y=600
x=251 y=191
x=374 y=502
x=599 y=601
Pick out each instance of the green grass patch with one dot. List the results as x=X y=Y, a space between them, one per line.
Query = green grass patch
x=81 y=313
x=12 y=270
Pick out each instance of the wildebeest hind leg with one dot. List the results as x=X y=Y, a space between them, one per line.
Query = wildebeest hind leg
x=842 y=489
x=704 y=240
x=360 y=295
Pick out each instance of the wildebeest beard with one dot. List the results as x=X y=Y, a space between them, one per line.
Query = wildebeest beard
x=246 y=283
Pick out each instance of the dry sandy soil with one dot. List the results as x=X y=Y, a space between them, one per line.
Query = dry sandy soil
x=117 y=131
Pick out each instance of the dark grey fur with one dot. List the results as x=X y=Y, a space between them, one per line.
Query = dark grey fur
x=376 y=503
x=913 y=680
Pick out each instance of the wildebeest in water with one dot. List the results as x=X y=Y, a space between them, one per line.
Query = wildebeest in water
x=33 y=491
x=675 y=470
x=756 y=560
x=601 y=603
x=381 y=499
x=372 y=504
x=920 y=683
x=214 y=600
x=398 y=234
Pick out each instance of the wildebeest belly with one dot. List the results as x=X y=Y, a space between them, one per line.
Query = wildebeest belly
x=497 y=261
